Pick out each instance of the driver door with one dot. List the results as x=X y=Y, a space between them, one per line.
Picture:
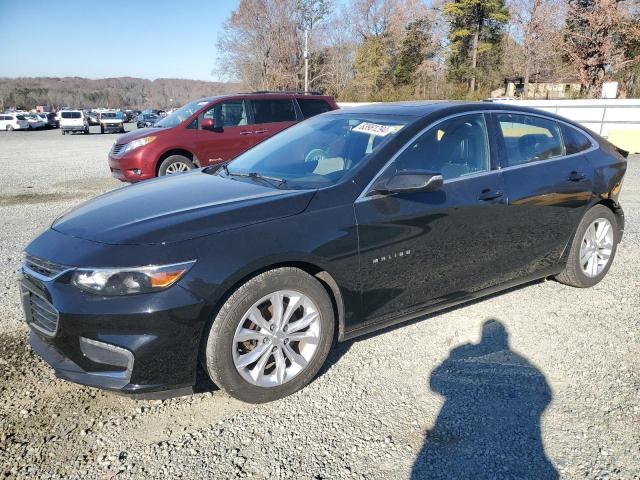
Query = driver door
x=422 y=248
x=232 y=135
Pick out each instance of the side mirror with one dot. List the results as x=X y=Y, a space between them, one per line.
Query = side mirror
x=406 y=181
x=208 y=124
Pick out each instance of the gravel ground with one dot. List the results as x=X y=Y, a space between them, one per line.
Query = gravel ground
x=537 y=382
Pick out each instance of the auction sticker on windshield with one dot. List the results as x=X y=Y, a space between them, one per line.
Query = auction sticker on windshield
x=376 y=129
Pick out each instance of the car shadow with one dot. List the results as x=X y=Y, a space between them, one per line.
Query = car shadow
x=489 y=424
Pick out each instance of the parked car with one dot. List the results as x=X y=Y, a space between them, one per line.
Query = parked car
x=53 y=120
x=92 y=118
x=208 y=131
x=348 y=222
x=111 y=122
x=73 y=121
x=49 y=119
x=146 y=120
x=12 y=121
x=35 y=122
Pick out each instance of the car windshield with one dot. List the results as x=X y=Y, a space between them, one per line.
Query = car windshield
x=109 y=115
x=150 y=117
x=181 y=114
x=318 y=152
x=21 y=117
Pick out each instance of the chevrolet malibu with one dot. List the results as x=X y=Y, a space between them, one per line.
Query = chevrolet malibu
x=348 y=222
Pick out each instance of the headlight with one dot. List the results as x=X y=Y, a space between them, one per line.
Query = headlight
x=138 y=143
x=128 y=281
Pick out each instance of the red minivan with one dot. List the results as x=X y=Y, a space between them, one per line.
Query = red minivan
x=208 y=131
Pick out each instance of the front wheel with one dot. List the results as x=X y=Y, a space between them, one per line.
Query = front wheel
x=593 y=248
x=271 y=336
x=175 y=164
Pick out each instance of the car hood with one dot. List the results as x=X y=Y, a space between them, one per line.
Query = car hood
x=136 y=134
x=177 y=208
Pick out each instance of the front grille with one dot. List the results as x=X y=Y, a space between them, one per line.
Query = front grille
x=117 y=149
x=44 y=267
x=39 y=312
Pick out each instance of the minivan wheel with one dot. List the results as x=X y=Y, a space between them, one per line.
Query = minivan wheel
x=9 y=128
x=593 y=248
x=271 y=336
x=175 y=164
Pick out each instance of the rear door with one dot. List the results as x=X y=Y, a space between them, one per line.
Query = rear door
x=271 y=115
x=235 y=136
x=548 y=187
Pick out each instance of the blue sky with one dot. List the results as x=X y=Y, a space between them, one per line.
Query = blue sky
x=111 y=38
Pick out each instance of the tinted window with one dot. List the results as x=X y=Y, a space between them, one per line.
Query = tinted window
x=574 y=141
x=528 y=138
x=4 y=118
x=228 y=114
x=311 y=107
x=269 y=111
x=71 y=115
x=453 y=148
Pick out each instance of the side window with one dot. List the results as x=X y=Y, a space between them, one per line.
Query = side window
x=453 y=148
x=271 y=111
x=574 y=141
x=311 y=107
x=228 y=114
x=528 y=138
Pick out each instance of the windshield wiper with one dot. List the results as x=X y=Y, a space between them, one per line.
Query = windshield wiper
x=257 y=176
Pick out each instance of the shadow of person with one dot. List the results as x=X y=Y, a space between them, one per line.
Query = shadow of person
x=489 y=425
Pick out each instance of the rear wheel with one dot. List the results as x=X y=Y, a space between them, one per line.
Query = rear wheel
x=9 y=128
x=593 y=248
x=175 y=164
x=63 y=131
x=271 y=336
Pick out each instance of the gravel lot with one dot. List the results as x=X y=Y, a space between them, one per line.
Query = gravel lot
x=538 y=382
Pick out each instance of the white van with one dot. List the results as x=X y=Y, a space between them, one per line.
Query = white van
x=73 y=121
x=12 y=121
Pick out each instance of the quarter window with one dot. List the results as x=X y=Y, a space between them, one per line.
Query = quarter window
x=453 y=148
x=574 y=141
x=271 y=111
x=528 y=138
x=311 y=107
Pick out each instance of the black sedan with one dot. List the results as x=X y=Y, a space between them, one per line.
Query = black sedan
x=341 y=225
x=147 y=120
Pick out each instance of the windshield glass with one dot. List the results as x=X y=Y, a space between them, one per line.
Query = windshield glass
x=181 y=114
x=320 y=151
x=109 y=115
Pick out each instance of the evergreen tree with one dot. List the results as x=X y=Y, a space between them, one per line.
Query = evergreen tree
x=415 y=48
x=476 y=34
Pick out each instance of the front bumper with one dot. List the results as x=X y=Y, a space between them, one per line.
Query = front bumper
x=112 y=127
x=132 y=344
x=131 y=167
x=75 y=128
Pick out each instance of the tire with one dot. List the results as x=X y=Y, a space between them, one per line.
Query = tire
x=86 y=131
x=63 y=131
x=221 y=351
x=9 y=128
x=101 y=129
x=574 y=273
x=175 y=164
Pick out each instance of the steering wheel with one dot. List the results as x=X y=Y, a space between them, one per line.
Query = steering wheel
x=315 y=155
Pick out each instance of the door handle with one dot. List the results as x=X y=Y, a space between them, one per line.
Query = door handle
x=261 y=131
x=576 y=176
x=246 y=132
x=488 y=194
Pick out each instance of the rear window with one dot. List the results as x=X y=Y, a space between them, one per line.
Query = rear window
x=311 y=107
x=71 y=115
x=270 y=111
x=574 y=141
x=108 y=115
x=21 y=117
x=528 y=138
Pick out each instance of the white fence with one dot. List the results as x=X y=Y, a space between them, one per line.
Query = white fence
x=601 y=116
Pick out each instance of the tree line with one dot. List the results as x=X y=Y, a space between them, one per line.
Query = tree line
x=374 y=50
x=124 y=92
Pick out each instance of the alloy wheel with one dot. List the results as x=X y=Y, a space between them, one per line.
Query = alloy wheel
x=276 y=338
x=596 y=247
x=177 y=167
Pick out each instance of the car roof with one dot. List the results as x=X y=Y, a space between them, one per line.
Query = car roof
x=263 y=94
